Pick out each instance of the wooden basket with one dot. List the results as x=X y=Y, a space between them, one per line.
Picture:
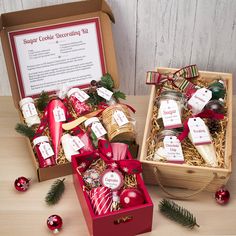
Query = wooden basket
x=183 y=175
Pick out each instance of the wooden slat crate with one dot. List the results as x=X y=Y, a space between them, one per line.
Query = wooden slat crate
x=183 y=175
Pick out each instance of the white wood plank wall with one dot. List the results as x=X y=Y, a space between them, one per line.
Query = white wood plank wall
x=151 y=33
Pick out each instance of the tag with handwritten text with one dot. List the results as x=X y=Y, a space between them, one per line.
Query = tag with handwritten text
x=76 y=143
x=46 y=150
x=199 y=131
x=29 y=110
x=173 y=149
x=170 y=114
x=98 y=129
x=120 y=118
x=81 y=95
x=59 y=114
x=104 y=93
x=199 y=100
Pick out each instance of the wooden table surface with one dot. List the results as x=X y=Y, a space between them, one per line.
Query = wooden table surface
x=23 y=214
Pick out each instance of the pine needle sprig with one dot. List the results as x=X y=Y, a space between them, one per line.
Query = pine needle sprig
x=55 y=192
x=107 y=81
x=177 y=213
x=42 y=101
x=94 y=99
x=119 y=95
x=24 y=130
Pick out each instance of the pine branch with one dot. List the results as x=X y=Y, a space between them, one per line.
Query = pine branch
x=177 y=213
x=24 y=130
x=42 y=101
x=55 y=192
x=119 y=95
x=94 y=99
x=107 y=82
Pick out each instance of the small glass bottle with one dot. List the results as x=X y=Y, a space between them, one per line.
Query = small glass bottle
x=174 y=97
x=78 y=98
x=44 y=151
x=29 y=111
x=95 y=129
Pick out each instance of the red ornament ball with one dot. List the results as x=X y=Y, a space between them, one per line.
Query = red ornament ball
x=222 y=196
x=22 y=184
x=54 y=223
x=131 y=197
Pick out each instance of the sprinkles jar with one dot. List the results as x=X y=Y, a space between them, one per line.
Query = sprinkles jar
x=44 y=151
x=77 y=98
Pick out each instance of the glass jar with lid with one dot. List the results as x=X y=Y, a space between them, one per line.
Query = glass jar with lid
x=78 y=99
x=170 y=106
x=168 y=148
x=44 y=151
x=29 y=111
x=160 y=153
x=95 y=129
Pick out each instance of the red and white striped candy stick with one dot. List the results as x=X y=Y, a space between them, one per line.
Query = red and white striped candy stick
x=101 y=200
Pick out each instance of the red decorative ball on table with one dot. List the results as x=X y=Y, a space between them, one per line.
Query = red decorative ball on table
x=54 y=223
x=21 y=184
x=222 y=196
x=131 y=197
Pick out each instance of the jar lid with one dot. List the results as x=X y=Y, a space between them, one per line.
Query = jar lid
x=166 y=132
x=24 y=101
x=40 y=139
x=90 y=121
x=73 y=90
x=172 y=93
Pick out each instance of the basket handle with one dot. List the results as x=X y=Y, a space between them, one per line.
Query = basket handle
x=183 y=197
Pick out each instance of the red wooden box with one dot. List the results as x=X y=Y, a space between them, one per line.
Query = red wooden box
x=141 y=216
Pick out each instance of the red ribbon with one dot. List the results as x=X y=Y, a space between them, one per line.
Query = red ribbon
x=130 y=107
x=170 y=79
x=128 y=165
x=105 y=149
x=186 y=73
x=204 y=114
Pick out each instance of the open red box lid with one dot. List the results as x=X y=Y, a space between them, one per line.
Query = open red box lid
x=47 y=47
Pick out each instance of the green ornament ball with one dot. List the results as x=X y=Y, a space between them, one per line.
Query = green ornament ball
x=218 y=90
